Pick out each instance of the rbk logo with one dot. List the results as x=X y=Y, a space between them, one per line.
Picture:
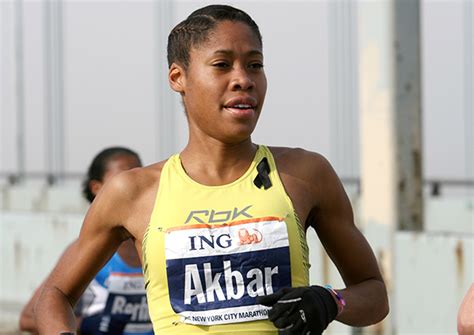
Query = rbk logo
x=212 y=216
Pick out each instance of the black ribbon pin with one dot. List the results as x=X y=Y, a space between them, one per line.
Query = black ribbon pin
x=262 y=178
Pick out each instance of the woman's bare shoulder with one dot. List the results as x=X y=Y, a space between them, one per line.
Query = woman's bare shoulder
x=300 y=162
x=131 y=184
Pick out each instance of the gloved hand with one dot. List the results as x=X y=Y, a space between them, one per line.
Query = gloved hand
x=301 y=310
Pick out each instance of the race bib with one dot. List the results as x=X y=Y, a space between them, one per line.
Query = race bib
x=216 y=272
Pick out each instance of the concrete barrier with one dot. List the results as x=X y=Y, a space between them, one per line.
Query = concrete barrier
x=30 y=244
x=64 y=198
x=24 y=197
x=450 y=215
x=432 y=273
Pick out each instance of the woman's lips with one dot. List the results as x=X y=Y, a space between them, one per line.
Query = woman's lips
x=241 y=113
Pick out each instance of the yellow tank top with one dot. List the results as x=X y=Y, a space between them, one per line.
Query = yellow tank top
x=209 y=251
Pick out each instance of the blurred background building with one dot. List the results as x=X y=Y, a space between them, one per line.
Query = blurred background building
x=78 y=76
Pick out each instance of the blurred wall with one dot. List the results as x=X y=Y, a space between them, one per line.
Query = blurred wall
x=108 y=58
x=85 y=75
x=76 y=76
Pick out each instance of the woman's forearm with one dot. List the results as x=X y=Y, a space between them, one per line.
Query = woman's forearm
x=366 y=303
x=53 y=312
x=27 y=323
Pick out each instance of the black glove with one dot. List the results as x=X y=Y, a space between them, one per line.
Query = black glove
x=301 y=310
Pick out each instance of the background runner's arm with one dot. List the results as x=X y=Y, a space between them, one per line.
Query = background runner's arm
x=466 y=313
x=100 y=236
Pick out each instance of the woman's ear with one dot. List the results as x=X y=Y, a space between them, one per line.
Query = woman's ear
x=176 y=78
x=95 y=186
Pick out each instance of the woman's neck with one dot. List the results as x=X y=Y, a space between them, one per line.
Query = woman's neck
x=212 y=162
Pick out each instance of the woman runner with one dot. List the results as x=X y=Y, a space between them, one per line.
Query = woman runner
x=187 y=214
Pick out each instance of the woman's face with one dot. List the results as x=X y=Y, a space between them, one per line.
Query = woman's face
x=224 y=86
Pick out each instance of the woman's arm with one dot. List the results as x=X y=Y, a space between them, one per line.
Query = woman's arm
x=332 y=218
x=321 y=202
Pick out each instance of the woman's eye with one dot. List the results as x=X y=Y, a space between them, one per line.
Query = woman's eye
x=256 y=65
x=221 y=65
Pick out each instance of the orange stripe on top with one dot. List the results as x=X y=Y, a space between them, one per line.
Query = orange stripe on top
x=125 y=274
x=233 y=223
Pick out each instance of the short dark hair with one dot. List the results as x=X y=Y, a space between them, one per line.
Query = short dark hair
x=196 y=28
x=98 y=167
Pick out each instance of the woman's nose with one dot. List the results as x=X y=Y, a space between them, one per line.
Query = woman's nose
x=242 y=80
